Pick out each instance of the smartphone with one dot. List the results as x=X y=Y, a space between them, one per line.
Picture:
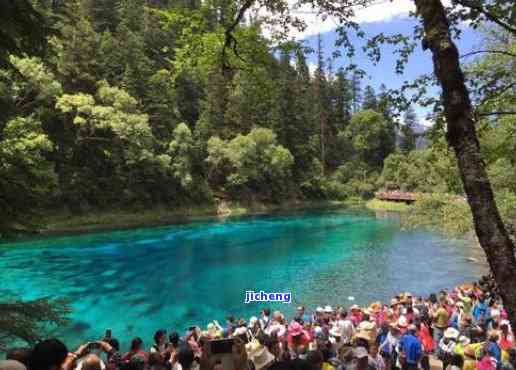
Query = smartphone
x=221 y=346
x=92 y=346
x=108 y=334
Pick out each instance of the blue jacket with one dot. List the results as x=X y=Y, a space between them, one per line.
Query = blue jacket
x=494 y=350
x=411 y=347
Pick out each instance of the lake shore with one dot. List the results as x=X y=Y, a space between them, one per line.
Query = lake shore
x=66 y=223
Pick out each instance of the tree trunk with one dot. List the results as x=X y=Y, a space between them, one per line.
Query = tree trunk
x=462 y=137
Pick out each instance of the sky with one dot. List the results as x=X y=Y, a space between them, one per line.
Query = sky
x=389 y=17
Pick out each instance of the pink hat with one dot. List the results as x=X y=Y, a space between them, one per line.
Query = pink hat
x=295 y=329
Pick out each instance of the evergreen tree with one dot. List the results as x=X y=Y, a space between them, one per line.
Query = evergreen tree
x=356 y=91
x=342 y=98
x=408 y=137
x=77 y=49
x=369 y=100
x=103 y=14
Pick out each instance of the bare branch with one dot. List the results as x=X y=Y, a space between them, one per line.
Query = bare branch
x=495 y=114
x=490 y=52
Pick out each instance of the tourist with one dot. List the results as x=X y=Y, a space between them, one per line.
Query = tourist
x=510 y=362
x=446 y=348
x=492 y=346
x=456 y=362
x=20 y=354
x=374 y=337
x=506 y=340
x=160 y=344
x=135 y=350
x=51 y=354
x=410 y=349
x=440 y=321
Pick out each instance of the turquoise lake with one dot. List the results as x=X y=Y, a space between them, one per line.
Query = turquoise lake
x=136 y=281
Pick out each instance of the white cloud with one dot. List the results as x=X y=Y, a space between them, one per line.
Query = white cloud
x=380 y=11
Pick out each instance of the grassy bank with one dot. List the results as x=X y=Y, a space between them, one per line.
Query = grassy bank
x=61 y=223
x=382 y=205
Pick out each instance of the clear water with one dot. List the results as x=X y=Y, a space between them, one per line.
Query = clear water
x=139 y=280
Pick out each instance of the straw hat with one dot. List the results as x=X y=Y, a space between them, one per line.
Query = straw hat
x=375 y=307
x=366 y=326
x=363 y=334
x=451 y=333
x=319 y=309
x=394 y=302
x=360 y=352
x=259 y=355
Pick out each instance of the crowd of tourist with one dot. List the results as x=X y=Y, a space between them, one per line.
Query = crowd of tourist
x=464 y=328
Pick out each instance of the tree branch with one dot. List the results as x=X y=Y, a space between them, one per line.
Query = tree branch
x=495 y=114
x=230 y=41
x=489 y=51
x=493 y=18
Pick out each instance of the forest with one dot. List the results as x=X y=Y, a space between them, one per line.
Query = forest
x=136 y=104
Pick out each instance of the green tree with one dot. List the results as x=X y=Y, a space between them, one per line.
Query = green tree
x=408 y=136
x=30 y=321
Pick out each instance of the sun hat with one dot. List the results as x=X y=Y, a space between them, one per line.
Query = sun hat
x=394 y=302
x=464 y=340
x=328 y=309
x=277 y=328
x=295 y=329
x=366 y=326
x=319 y=309
x=360 y=352
x=354 y=307
x=241 y=330
x=451 y=333
x=259 y=355
x=505 y=323
x=252 y=321
x=363 y=334
x=375 y=307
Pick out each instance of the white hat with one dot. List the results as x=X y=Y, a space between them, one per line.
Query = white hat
x=241 y=330
x=360 y=352
x=252 y=321
x=277 y=328
x=319 y=309
x=451 y=333
x=366 y=325
x=505 y=323
x=464 y=340
x=259 y=355
x=328 y=309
